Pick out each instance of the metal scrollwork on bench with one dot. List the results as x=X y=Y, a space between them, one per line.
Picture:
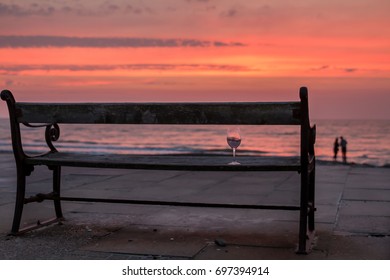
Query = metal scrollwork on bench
x=52 y=133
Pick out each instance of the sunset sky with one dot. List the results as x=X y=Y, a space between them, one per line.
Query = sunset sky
x=200 y=50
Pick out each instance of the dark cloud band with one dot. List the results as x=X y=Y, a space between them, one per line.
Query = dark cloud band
x=14 y=69
x=106 y=42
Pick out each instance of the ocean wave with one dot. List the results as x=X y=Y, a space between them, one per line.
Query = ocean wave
x=352 y=163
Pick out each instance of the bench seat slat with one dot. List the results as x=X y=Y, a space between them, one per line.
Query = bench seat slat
x=276 y=113
x=168 y=162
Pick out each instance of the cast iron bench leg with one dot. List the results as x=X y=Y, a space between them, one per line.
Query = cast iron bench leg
x=311 y=200
x=57 y=189
x=20 y=195
x=303 y=237
x=303 y=213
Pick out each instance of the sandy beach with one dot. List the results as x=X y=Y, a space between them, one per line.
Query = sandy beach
x=352 y=219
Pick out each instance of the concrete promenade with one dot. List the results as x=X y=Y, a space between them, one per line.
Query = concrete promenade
x=352 y=219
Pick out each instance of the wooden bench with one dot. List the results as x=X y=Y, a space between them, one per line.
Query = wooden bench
x=50 y=115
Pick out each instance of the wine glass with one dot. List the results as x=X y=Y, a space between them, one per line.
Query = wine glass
x=234 y=140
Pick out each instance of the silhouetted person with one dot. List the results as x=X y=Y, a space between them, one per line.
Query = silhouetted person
x=343 y=144
x=336 y=148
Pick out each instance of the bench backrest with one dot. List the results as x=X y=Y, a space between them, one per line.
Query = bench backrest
x=153 y=113
x=240 y=113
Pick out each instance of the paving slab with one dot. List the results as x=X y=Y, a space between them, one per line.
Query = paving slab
x=250 y=252
x=365 y=208
x=367 y=225
x=149 y=241
x=367 y=194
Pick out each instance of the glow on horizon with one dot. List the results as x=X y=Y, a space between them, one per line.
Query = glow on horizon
x=197 y=50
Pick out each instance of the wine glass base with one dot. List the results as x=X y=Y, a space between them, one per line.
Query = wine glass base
x=234 y=163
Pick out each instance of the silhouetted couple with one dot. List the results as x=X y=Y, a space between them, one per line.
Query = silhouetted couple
x=336 y=145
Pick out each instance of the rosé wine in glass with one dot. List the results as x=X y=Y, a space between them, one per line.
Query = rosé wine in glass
x=234 y=140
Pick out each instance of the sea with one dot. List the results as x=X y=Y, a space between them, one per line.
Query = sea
x=368 y=140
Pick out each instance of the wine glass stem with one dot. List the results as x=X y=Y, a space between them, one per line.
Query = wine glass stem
x=234 y=153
